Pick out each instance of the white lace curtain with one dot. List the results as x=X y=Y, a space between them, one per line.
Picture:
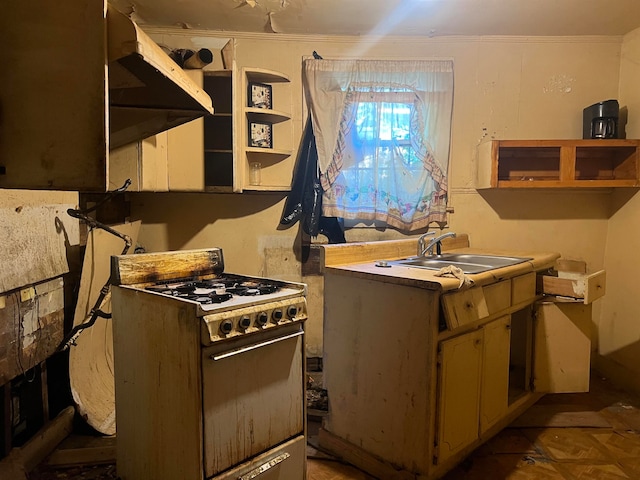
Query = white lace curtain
x=369 y=167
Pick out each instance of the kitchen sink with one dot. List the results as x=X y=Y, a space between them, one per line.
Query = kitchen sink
x=468 y=263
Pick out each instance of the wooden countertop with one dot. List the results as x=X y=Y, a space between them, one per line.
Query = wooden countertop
x=424 y=278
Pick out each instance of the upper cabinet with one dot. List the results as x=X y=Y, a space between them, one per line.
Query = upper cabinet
x=82 y=79
x=245 y=145
x=249 y=139
x=169 y=161
x=558 y=163
x=265 y=131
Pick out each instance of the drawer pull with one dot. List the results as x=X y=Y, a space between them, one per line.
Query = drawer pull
x=264 y=467
x=253 y=346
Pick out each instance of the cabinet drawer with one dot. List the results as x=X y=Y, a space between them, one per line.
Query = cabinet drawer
x=574 y=285
x=461 y=308
x=523 y=288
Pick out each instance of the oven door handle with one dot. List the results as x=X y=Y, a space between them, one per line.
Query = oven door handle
x=264 y=467
x=253 y=346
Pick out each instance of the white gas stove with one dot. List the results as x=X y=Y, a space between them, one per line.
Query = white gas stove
x=208 y=369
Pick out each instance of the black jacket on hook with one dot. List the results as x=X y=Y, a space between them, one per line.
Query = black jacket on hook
x=304 y=202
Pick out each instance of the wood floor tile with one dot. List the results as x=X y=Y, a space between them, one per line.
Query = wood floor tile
x=510 y=440
x=507 y=467
x=631 y=466
x=323 y=469
x=571 y=444
x=595 y=472
x=620 y=444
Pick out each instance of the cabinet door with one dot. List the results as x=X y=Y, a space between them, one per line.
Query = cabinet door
x=467 y=306
x=458 y=393
x=562 y=347
x=494 y=399
x=168 y=161
x=185 y=157
x=143 y=162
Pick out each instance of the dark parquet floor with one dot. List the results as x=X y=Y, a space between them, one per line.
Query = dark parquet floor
x=607 y=450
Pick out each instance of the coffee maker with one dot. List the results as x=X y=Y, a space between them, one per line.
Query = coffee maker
x=600 y=120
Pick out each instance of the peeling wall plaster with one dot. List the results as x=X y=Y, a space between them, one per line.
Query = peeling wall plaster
x=559 y=84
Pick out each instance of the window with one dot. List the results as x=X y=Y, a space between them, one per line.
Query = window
x=382 y=130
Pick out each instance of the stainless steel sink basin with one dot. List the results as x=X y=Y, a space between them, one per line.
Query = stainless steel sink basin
x=468 y=263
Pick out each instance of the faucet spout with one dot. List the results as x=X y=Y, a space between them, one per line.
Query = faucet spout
x=422 y=242
x=436 y=242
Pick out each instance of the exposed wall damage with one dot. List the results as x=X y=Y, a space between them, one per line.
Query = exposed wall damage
x=363 y=17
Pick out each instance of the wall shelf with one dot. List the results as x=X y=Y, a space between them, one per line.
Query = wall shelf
x=558 y=164
x=276 y=170
x=264 y=115
x=227 y=150
x=257 y=151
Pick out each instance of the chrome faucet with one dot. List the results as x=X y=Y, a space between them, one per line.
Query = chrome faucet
x=422 y=242
x=435 y=242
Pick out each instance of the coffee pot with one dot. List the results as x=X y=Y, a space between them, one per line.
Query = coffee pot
x=600 y=120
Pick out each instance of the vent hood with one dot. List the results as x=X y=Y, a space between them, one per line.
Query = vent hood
x=148 y=92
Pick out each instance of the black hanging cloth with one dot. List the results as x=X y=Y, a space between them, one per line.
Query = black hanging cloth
x=304 y=202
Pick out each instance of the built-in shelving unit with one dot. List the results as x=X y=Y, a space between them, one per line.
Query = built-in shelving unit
x=275 y=174
x=558 y=164
x=213 y=154
x=228 y=154
x=219 y=151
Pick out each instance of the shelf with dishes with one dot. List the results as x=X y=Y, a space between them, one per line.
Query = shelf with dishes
x=558 y=164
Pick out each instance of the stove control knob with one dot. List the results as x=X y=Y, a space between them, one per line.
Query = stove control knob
x=262 y=319
x=245 y=322
x=226 y=326
x=292 y=311
x=276 y=316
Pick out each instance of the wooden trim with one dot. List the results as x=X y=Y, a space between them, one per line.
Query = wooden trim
x=567 y=163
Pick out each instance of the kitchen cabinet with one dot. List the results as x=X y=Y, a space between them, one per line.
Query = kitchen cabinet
x=458 y=393
x=84 y=79
x=169 y=161
x=212 y=154
x=559 y=364
x=473 y=385
x=494 y=393
x=558 y=164
x=219 y=148
x=229 y=153
x=419 y=373
x=275 y=172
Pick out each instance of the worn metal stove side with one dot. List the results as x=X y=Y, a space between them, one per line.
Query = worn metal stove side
x=202 y=391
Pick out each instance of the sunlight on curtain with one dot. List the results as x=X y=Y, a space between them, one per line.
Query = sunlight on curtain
x=382 y=132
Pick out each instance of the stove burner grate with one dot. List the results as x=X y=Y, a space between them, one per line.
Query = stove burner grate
x=216 y=290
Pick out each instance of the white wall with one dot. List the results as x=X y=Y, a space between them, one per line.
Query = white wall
x=619 y=326
x=505 y=87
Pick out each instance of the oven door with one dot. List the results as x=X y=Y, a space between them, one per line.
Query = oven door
x=253 y=396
